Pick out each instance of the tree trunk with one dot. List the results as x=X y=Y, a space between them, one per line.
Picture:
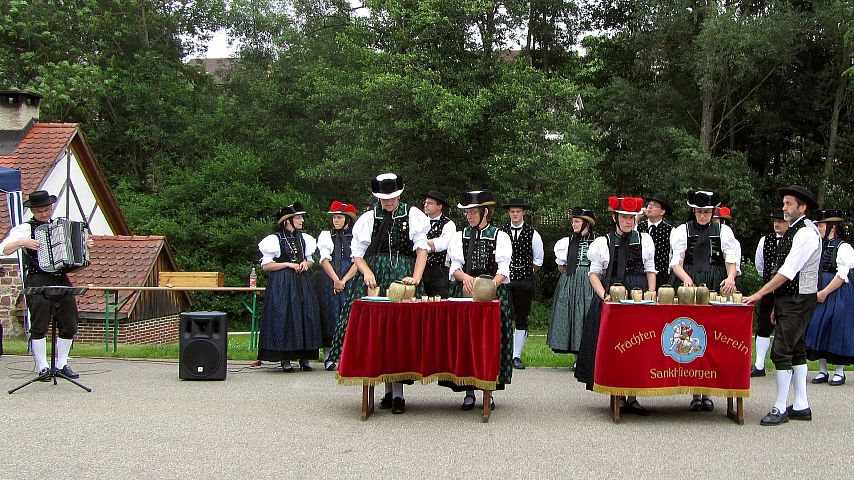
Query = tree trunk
x=834 y=134
x=706 y=123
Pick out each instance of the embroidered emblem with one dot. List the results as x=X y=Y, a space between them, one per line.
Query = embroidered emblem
x=683 y=340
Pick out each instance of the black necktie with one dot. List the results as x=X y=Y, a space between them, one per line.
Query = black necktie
x=622 y=257
x=572 y=253
x=702 y=249
x=516 y=231
x=475 y=232
x=652 y=228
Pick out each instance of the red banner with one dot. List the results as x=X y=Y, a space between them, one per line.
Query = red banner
x=672 y=349
x=424 y=341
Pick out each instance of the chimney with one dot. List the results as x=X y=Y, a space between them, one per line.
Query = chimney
x=18 y=109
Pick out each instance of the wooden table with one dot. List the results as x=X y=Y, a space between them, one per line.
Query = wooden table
x=652 y=350
x=457 y=341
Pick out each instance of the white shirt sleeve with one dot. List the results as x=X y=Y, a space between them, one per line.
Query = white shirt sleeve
x=560 y=249
x=844 y=260
x=419 y=225
x=805 y=242
x=503 y=255
x=362 y=230
x=678 y=245
x=325 y=246
x=444 y=240
x=537 y=247
x=730 y=246
x=648 y=253
x=455 y=253
x=269 y=248
x=19 y=232
x=598 y=255
x=738 y=258
x=759 y=257
x=310 y=246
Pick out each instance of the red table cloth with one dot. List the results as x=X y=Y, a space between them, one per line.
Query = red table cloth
x=424 y=341
x=672 y=349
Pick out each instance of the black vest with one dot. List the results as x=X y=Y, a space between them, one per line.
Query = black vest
x=483 y=257
x=769 y=255
x=791 y=287
x=828 y=257
x=661 y=239
x=634 y=261
x=716 y=253
x=291 y=247
x=397 y=241
x=341 y=240
x=437 y=259
x=522 y=260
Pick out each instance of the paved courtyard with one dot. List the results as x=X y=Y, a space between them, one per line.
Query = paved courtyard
x=140 y=421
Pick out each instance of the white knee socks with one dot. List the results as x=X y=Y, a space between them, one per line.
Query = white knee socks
x=784 y=379
x=762 y=346
x=519 y=337
x=822 y=365
x=799 y=378
x=63 y=346
x=39 y=348
x=397 y=390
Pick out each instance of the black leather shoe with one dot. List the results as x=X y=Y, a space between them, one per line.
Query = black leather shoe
x=696 y=405
x=68 y=372
x=329 y=366
x=44 y=375
x=820 y=377
x=774 y=417
x=634 y=407
x=468 y=403
x=707 y=405
x=398 y=405
x=805 y=414
x=287 y=367
x=305 y=367
x=755 y=372
x=517 y=364
x=837 y=380
x=385 y=403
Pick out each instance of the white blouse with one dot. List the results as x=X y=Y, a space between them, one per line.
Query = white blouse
x=269 y=248
x=442 y=242
x=679 y=243
x=419 y=225
x=844 y=260
x=600 y=258
x=503 y=254
x=325 y=245
x=560 y=250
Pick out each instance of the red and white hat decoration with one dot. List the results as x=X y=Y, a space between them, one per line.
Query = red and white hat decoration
x=342 y=209
x=627 y=205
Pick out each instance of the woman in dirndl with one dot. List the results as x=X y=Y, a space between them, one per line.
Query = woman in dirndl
x=574 y=293
x=830 y=335
x=333 y=247
x=389 y=244
x=290 y=317
x=623 y=256
x=704 y=253
x=482 y=249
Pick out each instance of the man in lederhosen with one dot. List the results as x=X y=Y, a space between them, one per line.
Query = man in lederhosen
x=527 y=259
x=794 y=285
x=657 y=207
x=21 y=237
x=766 y=254
x=442 y=230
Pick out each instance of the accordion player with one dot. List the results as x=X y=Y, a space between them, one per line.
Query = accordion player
x=62 y=245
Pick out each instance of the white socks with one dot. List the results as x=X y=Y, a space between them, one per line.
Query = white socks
x=799 y=378
x=63 y=346
x=326 y=354
x=397 y=390
x=39 y=348
x=519 y=337
x=762 y=346
x=822 y=365
x=784 y=379
x=840 y=370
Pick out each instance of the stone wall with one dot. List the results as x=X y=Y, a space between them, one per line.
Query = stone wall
x=149 y=331
x=10 y=288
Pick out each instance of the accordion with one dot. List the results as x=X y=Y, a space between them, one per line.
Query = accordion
x=62 y=245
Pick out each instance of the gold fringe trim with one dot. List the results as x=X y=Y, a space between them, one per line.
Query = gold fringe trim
x=398 y=377
x=664 y=391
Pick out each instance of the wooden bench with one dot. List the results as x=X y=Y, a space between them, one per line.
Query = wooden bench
x=190 y=279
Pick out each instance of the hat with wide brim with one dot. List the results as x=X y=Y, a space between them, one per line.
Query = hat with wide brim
x=387 y=186
x=476 y=198
x=517 y=203
x=824 y=216
x=340 y=208
x=291 y=210
x=584 y=214
x=777 y=215
x=39 y=198
x=703 y=199
x=661 y=199
x=626 y=205
x=801 y=193
x=436 y=196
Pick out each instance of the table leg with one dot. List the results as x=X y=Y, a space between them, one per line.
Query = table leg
x=367 y=401
x=615 y=408
x=487 y=402
x=736 y=415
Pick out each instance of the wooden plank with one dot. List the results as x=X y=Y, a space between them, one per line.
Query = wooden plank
x=191 y=279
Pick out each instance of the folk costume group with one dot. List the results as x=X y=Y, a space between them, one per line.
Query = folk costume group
x=807 y=297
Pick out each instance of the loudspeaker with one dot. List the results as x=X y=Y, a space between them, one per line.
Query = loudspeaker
x=203 y=344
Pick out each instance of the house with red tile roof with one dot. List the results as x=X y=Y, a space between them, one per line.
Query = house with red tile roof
x=56 y=157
